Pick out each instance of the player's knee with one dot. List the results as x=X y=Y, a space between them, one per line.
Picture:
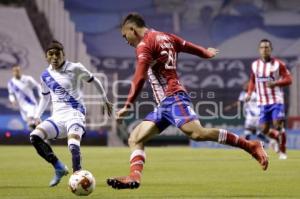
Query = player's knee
x=199 y=135
x=36 y=133
x=74 y=139
x=35 y=138
x=132 y=141
x=76 y=132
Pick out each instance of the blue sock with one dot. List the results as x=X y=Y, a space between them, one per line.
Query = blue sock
x=76 y=157
x=248 y=137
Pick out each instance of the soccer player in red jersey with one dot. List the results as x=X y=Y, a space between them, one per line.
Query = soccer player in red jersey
x=156 y=54
x=268 y=76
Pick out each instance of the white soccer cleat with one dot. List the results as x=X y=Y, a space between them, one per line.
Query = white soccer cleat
x=274 y=145
x=282 y=156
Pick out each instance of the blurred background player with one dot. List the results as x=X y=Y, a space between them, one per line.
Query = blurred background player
x=156 y=54
x=251 y=114
x=21 y=94
x=268 y=76
x=62 y=80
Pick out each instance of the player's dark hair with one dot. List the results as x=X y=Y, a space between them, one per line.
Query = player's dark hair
x=135 y=18
x=266 y=40
x=55 y=45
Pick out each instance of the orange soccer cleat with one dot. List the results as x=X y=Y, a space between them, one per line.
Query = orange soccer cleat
x=258 y=152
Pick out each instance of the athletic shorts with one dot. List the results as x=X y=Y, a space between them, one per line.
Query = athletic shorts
x=252 y=122
x=272 y=112
x=173 y=110
x=61 y=124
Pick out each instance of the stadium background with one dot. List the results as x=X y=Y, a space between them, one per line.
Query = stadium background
x=90 y=32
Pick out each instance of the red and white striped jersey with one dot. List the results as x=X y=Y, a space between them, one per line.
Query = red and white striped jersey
x=156 y=56
x=272 y=71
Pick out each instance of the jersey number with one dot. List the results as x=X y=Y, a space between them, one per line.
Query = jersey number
x=170 y=63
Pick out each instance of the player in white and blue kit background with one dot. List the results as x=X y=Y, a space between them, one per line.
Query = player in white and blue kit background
x=251 y=113
x=21 y=94
x=62 y=80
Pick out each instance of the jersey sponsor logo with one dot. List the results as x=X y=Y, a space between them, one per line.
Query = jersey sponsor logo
x=61 y=92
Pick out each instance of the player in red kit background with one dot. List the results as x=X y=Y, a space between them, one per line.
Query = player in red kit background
x=156 y=54
x=268 y=76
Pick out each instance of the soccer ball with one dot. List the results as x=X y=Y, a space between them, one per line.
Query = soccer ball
x=82 y=183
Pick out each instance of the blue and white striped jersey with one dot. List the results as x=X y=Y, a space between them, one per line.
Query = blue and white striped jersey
x=64 y=86
x=22 y=91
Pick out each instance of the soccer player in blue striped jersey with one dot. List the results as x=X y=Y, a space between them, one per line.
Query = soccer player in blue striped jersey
x=62 y=82
x=21 y=94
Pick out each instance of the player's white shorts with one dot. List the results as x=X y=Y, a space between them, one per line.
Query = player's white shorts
x=252 y=122
x=59 y=125
x=27 y=111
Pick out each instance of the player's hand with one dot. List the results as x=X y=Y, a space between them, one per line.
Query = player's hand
x=213 y=51
x=271 y=84
x=108 y=107
x=33 y=122
x=121 y=114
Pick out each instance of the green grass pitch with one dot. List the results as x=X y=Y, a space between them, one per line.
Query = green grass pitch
x=170 y=173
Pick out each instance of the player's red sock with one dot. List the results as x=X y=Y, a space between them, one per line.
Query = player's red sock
x=274 y=134
x=282 y=144
x=137 y=160
x=226 y=137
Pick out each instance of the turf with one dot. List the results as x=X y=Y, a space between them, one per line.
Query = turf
x=170 y=173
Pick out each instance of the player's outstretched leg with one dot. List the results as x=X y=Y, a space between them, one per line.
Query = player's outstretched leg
x=196 y=132
x=255 y=148
x=137 y=160
x=45 y=151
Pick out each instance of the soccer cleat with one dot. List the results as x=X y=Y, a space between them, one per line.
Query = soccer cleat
x=274 y=145
x=258 y=152
x=59 y=173
x=282 y=156
x=127 y=182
